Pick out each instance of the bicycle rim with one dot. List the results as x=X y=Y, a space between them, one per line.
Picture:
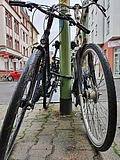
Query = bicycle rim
x=98 y=100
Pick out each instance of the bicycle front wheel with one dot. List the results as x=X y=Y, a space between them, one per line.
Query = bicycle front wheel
x=97 y=96
x=18 y=105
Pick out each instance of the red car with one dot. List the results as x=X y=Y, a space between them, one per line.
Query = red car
x=14 y=75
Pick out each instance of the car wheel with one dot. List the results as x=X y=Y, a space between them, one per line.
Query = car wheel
x=10 y=78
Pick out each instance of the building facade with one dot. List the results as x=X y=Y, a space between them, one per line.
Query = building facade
x=105 y=31
x=15 y=35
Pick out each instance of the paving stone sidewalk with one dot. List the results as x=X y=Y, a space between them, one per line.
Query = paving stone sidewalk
x=114 y=152
x=46 y=135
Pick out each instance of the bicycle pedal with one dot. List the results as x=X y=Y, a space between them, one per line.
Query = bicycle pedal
x=30 y=106
x=27 y=104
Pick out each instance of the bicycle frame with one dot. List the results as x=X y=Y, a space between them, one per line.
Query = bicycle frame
x=45 y=69
x=45 y=44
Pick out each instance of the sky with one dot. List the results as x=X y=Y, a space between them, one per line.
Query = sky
x=39 y=18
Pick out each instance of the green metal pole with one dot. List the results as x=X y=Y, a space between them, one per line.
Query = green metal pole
x=65 y=66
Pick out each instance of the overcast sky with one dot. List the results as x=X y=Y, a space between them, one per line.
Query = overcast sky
x=39 y=18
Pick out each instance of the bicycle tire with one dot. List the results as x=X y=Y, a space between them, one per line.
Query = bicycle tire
x=42 y=90
x=49 y=94
x=97 y=96
x=50 y=83
x=19 y=101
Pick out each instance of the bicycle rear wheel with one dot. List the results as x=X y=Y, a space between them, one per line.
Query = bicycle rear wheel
x=97 y=96
x=44 y=89
x=51 y=83
x=18 y=105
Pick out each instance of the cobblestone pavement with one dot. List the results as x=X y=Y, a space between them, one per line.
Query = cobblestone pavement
x=114 y=152
x=46 y=135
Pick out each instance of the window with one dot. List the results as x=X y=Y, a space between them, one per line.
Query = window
x=26 y=52
x=9 y=41
x=108 y=25
x=117 y=60
x=10 y=21
x=92 y=15
x=23 y=36
x=92 y=35
x=96 y=30
x=16 y=45
x=8 y=18
x=26 y=38
x=23 y=50
x=6 y=66
x=21 y=33
x=16 y=26
x=24 y=21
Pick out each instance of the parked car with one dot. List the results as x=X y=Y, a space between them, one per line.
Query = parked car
x=13 y=75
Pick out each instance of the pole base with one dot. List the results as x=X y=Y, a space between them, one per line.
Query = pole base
x=65 y=106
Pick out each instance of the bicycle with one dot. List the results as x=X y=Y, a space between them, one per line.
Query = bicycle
x=92 y=81
x=40 y=79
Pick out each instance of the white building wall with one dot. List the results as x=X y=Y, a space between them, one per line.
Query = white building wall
x=116 y=17
x=113 y=12
x=95 y=24
x=109 y=13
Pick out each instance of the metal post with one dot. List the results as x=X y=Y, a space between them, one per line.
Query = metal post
x=65 y=66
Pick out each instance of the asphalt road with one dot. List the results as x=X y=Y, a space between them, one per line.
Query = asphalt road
x=7 y=88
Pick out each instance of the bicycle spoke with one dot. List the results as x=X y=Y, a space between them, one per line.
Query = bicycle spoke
x=96 y=104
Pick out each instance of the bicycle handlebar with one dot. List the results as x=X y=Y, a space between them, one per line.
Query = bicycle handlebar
x=17 y=3
x=50 y=11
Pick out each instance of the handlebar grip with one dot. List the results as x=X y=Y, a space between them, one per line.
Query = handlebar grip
x=83 y=28
x=17 y=3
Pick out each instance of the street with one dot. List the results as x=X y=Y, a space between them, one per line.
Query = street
x=7 y=88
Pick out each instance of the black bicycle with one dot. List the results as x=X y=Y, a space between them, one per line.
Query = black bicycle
x=93 y=84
